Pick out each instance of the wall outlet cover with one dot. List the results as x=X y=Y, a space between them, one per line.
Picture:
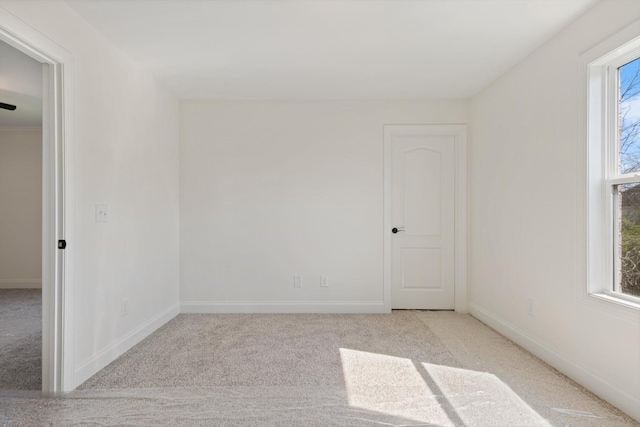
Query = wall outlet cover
x=102 y=213
x=324 y=281
x=531 y=307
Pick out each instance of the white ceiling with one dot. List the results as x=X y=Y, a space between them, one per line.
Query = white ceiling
x=328 y=49
x=20 y=85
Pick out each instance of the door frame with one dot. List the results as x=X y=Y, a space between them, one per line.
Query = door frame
x=459 y=132
x=58 y=200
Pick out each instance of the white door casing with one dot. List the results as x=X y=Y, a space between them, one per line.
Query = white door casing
x=425 y=201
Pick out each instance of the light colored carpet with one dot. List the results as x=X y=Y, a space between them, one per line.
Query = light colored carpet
x=20 y=339
x=266 y=350
x=402 y=369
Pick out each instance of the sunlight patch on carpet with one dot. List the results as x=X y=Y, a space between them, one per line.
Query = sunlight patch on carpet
x=430 y=393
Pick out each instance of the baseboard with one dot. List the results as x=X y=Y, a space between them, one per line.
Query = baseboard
x=282 y=307
x=607 y=391
x=90 y=367
x=20 y=284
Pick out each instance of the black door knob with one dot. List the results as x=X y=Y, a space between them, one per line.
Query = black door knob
x=394 y=230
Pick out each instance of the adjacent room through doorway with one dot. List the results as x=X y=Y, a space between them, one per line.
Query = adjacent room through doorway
x=20 y=221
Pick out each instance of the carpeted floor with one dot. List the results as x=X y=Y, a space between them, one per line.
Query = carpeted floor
x=408 y=368
x=266 y=350
x=20 y=339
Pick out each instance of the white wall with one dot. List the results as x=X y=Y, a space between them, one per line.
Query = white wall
x=127 y=157
x=20 y=207
x=269 y=190
x=524 y=207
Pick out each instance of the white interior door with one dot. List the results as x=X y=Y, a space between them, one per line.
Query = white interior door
x=423 y=217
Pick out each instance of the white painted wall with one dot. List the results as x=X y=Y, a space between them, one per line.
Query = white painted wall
x=20 y=207
x=269 y=190
x=524 y=207
x=127 y=157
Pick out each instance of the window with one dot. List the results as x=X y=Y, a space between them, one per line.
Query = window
x=613 y=172
x=624 y=177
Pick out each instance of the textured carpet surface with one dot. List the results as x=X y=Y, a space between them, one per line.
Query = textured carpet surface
x=265 y=349
x=20 y=339
x=408 y=368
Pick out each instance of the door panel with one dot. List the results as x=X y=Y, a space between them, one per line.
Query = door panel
x=421 y=268
x=423 y=209
x=421 y=192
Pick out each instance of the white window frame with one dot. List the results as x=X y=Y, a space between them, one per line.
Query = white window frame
x=598 y=71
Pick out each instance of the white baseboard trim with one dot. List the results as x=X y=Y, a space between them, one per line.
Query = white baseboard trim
x=282 y=307
x=621 y=399
x=90 y=367
x=20 y=284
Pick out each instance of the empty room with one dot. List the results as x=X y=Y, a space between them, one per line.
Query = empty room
x=320 y=212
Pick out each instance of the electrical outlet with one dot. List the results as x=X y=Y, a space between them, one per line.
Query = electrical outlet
x=324 y=281
x=124 y=307
x=297 y=281
x=531 y=307
x=102 y=213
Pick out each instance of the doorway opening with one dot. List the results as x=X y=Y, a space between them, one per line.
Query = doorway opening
x=20 y=220
x=57 y=198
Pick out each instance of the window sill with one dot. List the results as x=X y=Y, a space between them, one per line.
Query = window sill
x=624 y=306
x=622 y=298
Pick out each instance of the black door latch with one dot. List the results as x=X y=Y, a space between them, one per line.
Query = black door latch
x=62 y=244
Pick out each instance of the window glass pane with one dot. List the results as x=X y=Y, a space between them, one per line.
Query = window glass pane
x=629 y=117
x=629 y=205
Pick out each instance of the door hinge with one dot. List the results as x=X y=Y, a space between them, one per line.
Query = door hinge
x=62 y=244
